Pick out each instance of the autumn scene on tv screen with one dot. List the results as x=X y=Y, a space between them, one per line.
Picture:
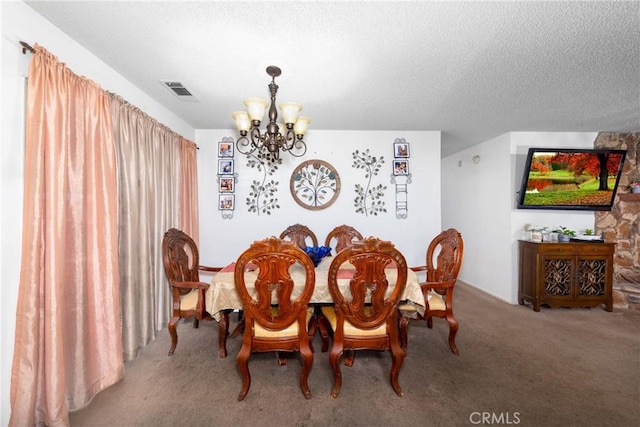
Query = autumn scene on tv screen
x=572 y=179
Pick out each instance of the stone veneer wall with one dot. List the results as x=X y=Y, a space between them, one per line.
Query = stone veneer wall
x=622 y=224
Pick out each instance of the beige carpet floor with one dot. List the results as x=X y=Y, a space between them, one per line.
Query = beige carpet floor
x=559 y=367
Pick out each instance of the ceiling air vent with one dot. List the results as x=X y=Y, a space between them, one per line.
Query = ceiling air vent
x=179 y=90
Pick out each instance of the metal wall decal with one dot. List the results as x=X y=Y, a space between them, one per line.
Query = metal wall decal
x=368 y=198
x=226 y=178
x=401 y=176
x=263 y=191
x=402 y=206
x=315 y=184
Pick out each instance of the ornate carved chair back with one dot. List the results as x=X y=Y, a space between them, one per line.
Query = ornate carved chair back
x=445 y=265
x=301 y=235
x=344 y=235
x=180 y=256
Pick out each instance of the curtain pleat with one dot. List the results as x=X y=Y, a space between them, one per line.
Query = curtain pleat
x=189 y=188
x=68 y=344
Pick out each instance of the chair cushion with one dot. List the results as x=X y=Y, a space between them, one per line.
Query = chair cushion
x=436 y=302
x=407 y=309
x=189 y=301
x=350 y=330
x=290 y=331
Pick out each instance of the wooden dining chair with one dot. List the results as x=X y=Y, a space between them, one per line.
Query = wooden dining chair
x=301 y=235
x=364 y=316
x=181 y=265
x=343 y=236
x=275 y=317
x=443 y=262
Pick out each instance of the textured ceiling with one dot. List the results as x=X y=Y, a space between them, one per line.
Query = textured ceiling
x=473 y=70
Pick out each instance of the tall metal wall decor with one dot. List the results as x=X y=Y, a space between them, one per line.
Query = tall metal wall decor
x=401 y=176
x=226 y=178
x=368 y=199
x=262 y=196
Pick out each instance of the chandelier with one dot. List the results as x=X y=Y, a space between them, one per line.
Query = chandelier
x=285 y=136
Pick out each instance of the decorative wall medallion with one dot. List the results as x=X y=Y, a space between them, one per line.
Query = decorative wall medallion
x=315 y=184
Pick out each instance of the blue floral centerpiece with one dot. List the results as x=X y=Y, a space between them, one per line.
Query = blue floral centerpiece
x=316 y=253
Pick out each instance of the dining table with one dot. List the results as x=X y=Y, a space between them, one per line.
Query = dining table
x=221 y=297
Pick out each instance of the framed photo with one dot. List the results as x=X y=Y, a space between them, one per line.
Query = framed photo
x=401 y=150
x=401 y=167
x=225 y=166
x=227 y=202
x=226 y=184
x=225 y=149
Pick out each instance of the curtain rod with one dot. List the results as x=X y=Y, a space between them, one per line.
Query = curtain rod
x=25 y=47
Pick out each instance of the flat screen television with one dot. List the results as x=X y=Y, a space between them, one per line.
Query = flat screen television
x=570 y=178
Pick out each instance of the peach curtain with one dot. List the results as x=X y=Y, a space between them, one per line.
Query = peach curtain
x=103 y=181
x=189 y=188
x=157 y=190
x=68 y=344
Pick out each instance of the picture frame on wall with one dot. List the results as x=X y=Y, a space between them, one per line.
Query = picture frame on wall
x=227 y=184
x=225 y=166
x=227 y=202
x=401 y=150
x=225 y=149
x=401 y=167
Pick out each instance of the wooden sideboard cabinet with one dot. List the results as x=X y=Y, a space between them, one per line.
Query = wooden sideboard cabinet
x=572 y=274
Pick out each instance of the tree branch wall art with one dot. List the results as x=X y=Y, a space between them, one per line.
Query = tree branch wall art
x=368 y=200
x=262 y=196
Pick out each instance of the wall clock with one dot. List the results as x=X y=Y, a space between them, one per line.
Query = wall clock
x=315 y=184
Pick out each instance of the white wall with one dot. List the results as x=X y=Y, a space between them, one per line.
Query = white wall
x=476 y=201
x=480 y=199
x=21 y=23
x=221 y=241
